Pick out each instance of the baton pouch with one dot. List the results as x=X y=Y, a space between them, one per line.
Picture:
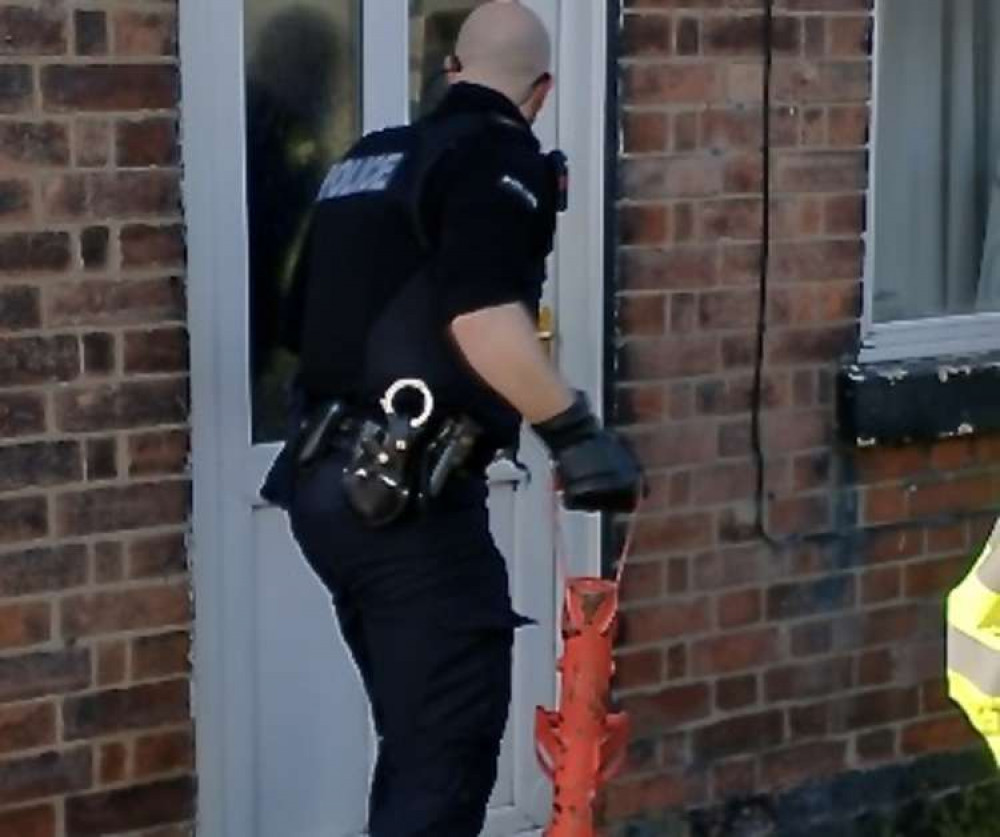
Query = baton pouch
x=446 y=455
x=307 y=442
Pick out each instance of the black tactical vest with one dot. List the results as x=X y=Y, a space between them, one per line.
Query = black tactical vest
x=366 y=310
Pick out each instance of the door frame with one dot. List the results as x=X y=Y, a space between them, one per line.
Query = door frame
x=212 y=119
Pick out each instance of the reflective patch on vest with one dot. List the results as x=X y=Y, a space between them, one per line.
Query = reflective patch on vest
x=516 y=187
x=360 y=175
x=976 y=662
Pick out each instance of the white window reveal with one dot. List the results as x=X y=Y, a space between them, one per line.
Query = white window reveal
x=933 y=264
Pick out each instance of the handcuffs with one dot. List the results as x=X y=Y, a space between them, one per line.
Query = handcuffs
x=397 y=460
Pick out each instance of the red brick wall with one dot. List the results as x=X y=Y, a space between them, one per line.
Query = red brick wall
x=749 y=669
x=95 y=736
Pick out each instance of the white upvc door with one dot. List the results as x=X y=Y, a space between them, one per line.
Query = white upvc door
x=284 y=741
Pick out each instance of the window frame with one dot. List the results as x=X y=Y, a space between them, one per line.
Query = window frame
x=896 y=340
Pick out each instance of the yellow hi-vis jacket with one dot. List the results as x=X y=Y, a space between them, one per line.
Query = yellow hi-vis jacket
x=974 y=644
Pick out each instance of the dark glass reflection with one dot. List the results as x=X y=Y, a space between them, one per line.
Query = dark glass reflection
x=302 y=111
x=434 y=26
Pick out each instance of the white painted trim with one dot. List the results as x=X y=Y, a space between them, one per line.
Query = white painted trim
x=935 y=337
x=902 y=340
x=582 y=79
x=868 y=288
x=385 y=52
x=212 y=120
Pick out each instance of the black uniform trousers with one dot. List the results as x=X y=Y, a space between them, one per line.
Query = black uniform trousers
x=424 y=608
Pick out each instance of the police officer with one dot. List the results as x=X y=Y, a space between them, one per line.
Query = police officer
x=424 y=262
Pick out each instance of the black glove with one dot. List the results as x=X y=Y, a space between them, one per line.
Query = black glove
x=597 y=471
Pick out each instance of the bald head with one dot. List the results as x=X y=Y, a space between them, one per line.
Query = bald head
x=504 y=46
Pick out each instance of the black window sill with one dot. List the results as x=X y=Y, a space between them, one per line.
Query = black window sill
x=919 y=400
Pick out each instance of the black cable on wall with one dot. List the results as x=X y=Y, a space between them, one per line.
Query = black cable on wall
x=757 y=430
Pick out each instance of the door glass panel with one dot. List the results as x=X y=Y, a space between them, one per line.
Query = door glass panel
x=303 y=109
x=434 y=26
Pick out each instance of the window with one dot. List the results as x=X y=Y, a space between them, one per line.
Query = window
x=434 y=26
x=303 y=109
x=933 y=284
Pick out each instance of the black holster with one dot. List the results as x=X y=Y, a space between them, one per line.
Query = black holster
x=395 y=467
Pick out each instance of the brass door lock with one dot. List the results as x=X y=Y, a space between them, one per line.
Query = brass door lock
x=547 y=327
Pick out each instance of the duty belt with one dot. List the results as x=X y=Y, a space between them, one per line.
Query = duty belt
x=396 y=458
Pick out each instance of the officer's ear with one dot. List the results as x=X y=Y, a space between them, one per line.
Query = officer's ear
x=452 y=67
x=539 y=94
x=546 y=83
